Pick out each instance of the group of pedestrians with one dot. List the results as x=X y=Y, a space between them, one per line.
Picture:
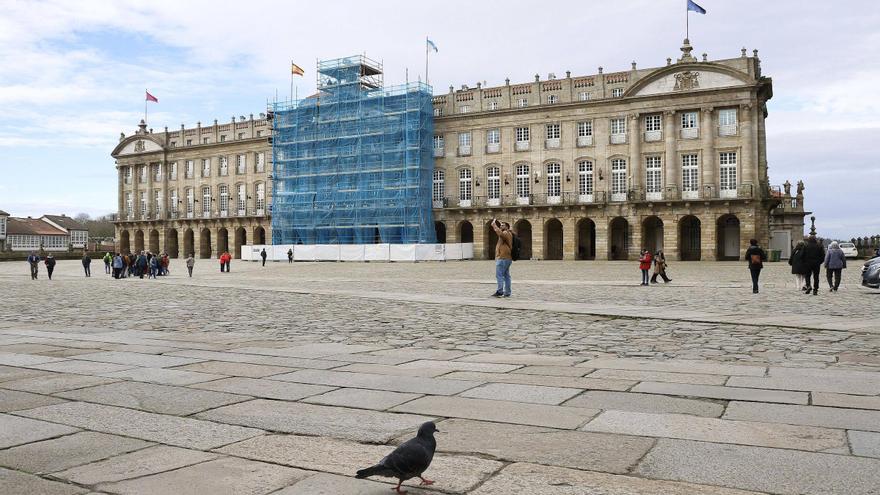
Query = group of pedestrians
x=225 y=262
x=806 y=263
x=647 y=259
x=137 y=265
x=34 y=260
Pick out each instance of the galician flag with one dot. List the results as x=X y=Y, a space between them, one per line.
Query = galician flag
x=431 y=45
x=151 y=97
x=693 y=7
x=295 y=69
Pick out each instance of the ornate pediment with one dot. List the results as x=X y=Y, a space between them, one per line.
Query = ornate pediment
x=689 y=77
x=136 y=145
x=686 y=80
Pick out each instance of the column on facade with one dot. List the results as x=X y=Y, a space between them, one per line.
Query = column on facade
x=538 y=240
x=169 y=239
x=670 y=236
x=602 y=231
x=452 y=236
x=601 y=127
x=636 y=243
x=197 y=240
x=707 y=142
x=121 y=196
x=672 y=164
x=635 y=155
x=747 y=165
x=708 y=235
x=479 y=225
x=569 y=238
x=161 y=244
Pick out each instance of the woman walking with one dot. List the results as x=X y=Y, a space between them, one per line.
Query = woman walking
x=50 y=265
x=796 y=260
x=190 y=263
x=645 y=260
x=835 y=262
x=756 y=258
x=660 y=268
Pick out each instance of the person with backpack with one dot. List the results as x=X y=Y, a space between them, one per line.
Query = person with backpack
x=87 y=264
x=108 y=260
x=756 y=258
x=645 y=260
x=814 y=256
x=835 y=262
x=506 y=250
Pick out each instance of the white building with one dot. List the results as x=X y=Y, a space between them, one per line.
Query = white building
x=79 y=233
x=31 y=234
x=3 y=217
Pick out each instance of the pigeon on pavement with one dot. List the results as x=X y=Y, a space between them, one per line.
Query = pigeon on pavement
x=409 y=460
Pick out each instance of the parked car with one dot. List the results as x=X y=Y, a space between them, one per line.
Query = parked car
x=871 y=273
x=849 y=250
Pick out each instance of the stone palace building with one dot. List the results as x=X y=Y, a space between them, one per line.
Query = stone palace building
x=583 y=167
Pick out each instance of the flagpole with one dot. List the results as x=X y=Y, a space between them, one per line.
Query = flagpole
x=687 y=18
x=145 y=105
x=291 y=81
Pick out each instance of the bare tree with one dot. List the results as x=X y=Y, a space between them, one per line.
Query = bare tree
x=82 y=217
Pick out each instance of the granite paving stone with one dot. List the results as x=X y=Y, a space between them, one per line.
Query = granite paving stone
x=59 y=382
x=138 y=359
x=150 y=397
x=502 y=412
x=574 y=449
x=18 y=359
x=660 y=376
x=454 y=473
x=677 y=366
x=649 y=403
x=533 y=394
x=10 y=373
x=366 y=358
x=235 y=369
x=172 y=430
x=163 y=376
x=549 y=381
x=15 y=430
x=60 y=453
x=362 y=398
x=222 y=476
x=460 y=366
x=15 y=482
x=718 y=430
x=310 y=351
x=716 y=392
x=144 y=462
x=234 y=357
x=384 y=369
x=442 y=354
x=778 y=471
x=333 y=484
x=533 y=479
x=14 y=400
x=309 y=419
x=410 y=384
x=864 y=443
x=264 y=388
x=83 y=367
x=866 y=385
x=828 y=417
x=844 y=400
x=523 y=359
x=554 y=370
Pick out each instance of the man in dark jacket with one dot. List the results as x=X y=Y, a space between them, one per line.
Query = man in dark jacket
x=263 y=255
x=756 y=258
x=814 y=256
x=87 y=264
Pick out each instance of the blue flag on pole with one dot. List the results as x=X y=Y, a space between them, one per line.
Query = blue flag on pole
x=693 y=7
x=431 y=45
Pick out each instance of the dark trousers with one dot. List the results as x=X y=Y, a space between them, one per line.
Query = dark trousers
x=814 y=273
x=190 y=270
x=49 y=270
x=228 y=266
x=35 y=270
x=264 y=261
x=106 y=267
x=835 y=274
x=756 y=272
x=117 y=273
x=290 y=259
x=644 y=277
x=222 y=267
x=88 y=270
x=661 y=274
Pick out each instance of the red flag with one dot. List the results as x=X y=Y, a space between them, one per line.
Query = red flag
x=151 y=97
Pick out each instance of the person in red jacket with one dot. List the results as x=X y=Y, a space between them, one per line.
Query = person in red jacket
x=645 y=260
x=222 y=260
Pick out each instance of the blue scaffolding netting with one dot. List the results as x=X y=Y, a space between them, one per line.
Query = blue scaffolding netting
x=352 y=164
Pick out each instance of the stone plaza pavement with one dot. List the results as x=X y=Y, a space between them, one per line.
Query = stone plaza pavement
x=286 y=379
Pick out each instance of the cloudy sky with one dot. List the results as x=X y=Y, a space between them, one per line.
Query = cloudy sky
x=72 y=75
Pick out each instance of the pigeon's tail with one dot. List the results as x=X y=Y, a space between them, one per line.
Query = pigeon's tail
x=370 y=471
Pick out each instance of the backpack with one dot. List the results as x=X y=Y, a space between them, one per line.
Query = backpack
x=756 y=259
x=515 y=247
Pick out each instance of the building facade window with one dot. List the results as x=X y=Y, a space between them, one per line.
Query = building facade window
x=173 y=202
x=261 y=197
x=653 y=178
x=552 y=99
x=172 y=171
x=261 y=162
x=206 y=141
x=522 y=138
x=190 y=169
x=241 y=164
x=438 y=188
x=206 y=168
x=464 y=109
x=522 y=102
x=618 y=130
x=618 y=179
x=157 y=202
x=690 y=185
x=143 y=204
x=438 y=111
x=190 y=202
x=157 y=173
x=585 y=133
x=493 y=186
x=585 y=96
x=438 y=145
x=224 y=200
x=523 y=184
x=585 y=181
x=553 y=133
x=653 y=129
x=464 y=143
x=727 y=122
x=206 y=201
x=126 y=175
x=554 y=182
x=493 y=105
x=129 y=206
x=465 y=187
x=241 y=199
x=727 y=165
x=617 y=92
x=143 y=174
x=224 y=166
x=690 y=125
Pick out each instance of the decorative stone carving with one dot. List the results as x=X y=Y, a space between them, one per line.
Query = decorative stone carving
x=800 y=188
x=787 y=187
x=686 y=80
x=139 y=146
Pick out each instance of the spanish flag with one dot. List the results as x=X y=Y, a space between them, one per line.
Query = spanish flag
x=295 y=69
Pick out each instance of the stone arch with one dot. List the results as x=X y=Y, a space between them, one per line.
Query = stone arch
x=171 y=246
x=490 y=240
x=259 y=235
x=440 y=231
x=189 y=243
x=728 y=237
x=205 y=243
x=652 y=233
x=553 y=244
x=618 y=239
x=465 y=232
x=689 y=238
x=124 y=242
x=139 y=241
x=240 y=240
x=523 y=230
x=154 y=241
x=586 y=239
x=222 y=240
